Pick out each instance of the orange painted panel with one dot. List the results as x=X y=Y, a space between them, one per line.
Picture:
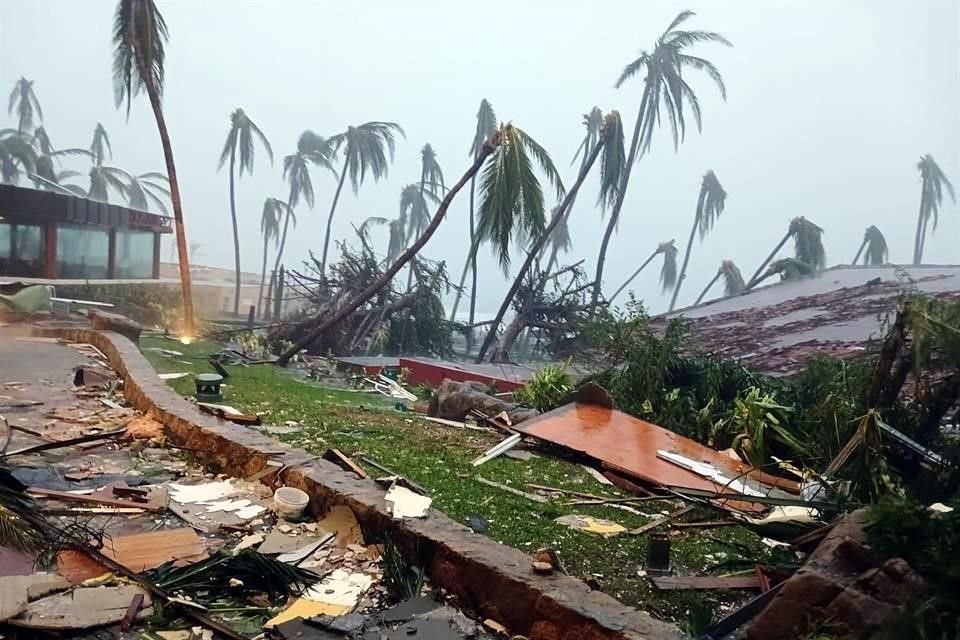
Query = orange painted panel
x=630 y=445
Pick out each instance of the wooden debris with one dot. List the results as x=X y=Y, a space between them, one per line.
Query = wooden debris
x=226 y=412
x=342 y=460
x=517 y=492
x=46 y=446
x=81 y=609
x=17 y=591
x=65 y=496
x=596 y=475
x=659 y=521
x=132 y=612
x=495 y=627
x=380 y=467
x=137 y=552
x=671 y=583
x=625 y=484
x=706 y=524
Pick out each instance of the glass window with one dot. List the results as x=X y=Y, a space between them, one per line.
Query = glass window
x=134 y=254
x=21 y=250
x=82 y=252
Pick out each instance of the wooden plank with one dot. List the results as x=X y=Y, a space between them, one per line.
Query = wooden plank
x=81 y=608
x=706 y=524
x=66 y=496
x=673 y=583
x=656 y=523
x=342 y=460
x=138 y=552
x=517 y=492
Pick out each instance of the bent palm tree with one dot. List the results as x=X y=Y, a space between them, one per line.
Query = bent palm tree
x=808 y=247
x=311 y=149
x=100 y=145
x=431 y=177
x=273 y=209
x=103 y=179
x=366 y=147
x=710 y=205
x=788 y=268
x=139 y=38
x=668 y=272
x=733 y=283
x=23 y=101
x=932 y=183
x=324 y=323
x=486 y=125
x=47 y=156
x=16 y=155
x=876 y=246
x=508 y=178
x=240 y=136
x=665 y=89
x=147 y=188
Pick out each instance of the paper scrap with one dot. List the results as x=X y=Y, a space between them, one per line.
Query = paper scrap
x=407 y=504
x=204 y=492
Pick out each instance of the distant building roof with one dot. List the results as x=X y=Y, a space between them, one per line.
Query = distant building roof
x=776 y=329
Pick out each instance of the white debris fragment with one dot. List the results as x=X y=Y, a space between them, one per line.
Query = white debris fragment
x=407 y=504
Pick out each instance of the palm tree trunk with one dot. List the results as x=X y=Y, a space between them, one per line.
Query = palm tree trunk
x=635 y=274
x=236 y=235
x=473 y=267
x=283 y=244
x=182 y=257
x=471 y=258
x=263 y=276
x=686 y=254
x=856 y=258
x=618 y=205
x=423 y=177
x=333 y=207
x=535 y=251
x=923 y=240
x=763 y=265
x=917 y=253
x=354 y=303
x=707 y=288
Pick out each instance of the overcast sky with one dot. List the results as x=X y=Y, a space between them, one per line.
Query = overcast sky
x=830 y=105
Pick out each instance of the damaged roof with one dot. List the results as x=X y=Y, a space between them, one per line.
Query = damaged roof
x=776 y=329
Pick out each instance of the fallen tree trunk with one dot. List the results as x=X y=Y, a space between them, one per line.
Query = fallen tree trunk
x=325 y=323
x=454 y=401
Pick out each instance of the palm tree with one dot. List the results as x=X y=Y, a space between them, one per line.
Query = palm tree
x=668 y=271
x=430 y=174
x=665 y=89
x=733 y=283
x=788 y=268
x=23 y=101
x=103 y=179
x=507 y=181
x=876 y=246
x=311 y=149
x=273 y=209
x=47 y=157
x=808 y=247
x=932 y=183
x=139 y=38
x=240 y=136
x=100 y=145
x=365 y=149
x=16 y=155
x=710 y=205
x=323 y=323
x=147 y=188
x=486 y=125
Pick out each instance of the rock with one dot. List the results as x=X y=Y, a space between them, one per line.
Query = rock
x=454 y=400
x=542 y=568
x=103 y=321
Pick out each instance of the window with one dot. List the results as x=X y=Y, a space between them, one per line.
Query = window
x=134 y=254
x=21 y=250
x=82 y=252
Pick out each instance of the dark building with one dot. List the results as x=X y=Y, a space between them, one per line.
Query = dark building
x=44 y=234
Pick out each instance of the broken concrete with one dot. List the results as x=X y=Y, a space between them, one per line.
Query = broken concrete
x=491 y=579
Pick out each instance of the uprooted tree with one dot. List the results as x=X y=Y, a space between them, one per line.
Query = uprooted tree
x=395 y=320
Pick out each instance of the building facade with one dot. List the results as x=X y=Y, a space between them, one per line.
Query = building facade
x=44 y=234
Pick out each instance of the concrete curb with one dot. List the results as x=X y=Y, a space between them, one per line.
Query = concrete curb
x=489 y=578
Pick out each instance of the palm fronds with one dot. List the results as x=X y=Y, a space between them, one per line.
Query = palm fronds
x=273 y=210
x=415 y=208
x=668 y=271
x=240 y=137
x=511 y=201
x=366 y=149
x=23 y=101
x=100 y=145
x=593 y=123
x=256 y=571
x=139 y=38
x=613 y=161
x=875 y=245
x=147 y=188
x=486 y=125
x=808 y=243
x=933 y=182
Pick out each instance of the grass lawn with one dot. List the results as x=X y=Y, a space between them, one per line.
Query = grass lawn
x=438 y=458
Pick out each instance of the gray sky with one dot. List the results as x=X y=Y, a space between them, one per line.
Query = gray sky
x=830 y=106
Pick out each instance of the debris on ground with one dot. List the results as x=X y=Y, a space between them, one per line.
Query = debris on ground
x=404 y=503
x=455 y=401
x=589 y=524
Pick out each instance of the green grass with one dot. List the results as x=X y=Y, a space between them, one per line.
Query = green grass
x=438 y=458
